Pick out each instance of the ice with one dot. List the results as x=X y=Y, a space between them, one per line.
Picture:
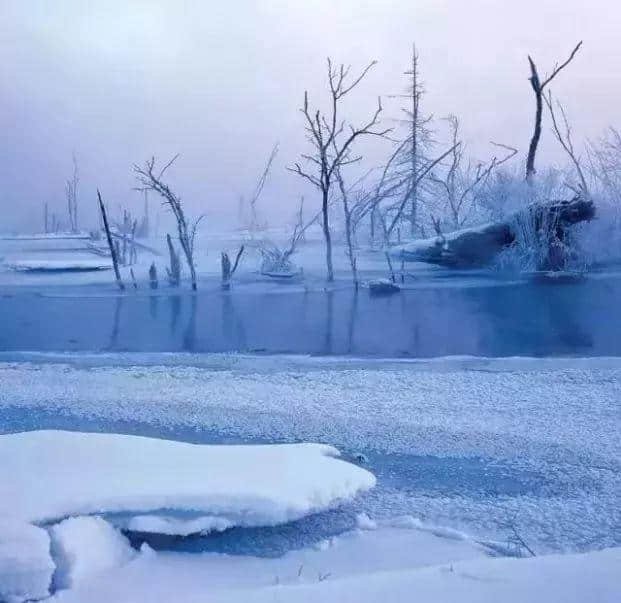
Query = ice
x=50 y=475
x=83 y=547
x=26 y=566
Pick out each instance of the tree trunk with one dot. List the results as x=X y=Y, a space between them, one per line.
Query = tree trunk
x=479 y=245
x=327 y=235
x=534 y=142
x=115 y=262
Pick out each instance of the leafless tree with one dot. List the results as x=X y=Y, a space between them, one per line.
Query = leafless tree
x=254 y=224
x=605 y=164
x=277 y=259
x=538 y=87
x=333 y=143
x=71 y=194
x=113 y=249
x=410 y=155
x=392 y=191
x=186 y=232
x=565 y=139
x=462 y=183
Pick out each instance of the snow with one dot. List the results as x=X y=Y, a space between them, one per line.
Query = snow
x=162 y=524
x=162 y=576
x=363 y=567
x=469 y=443
x=49 y=475
x=25 y=563
x=83 y=547
x=68 y=265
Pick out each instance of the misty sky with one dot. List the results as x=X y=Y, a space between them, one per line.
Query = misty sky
x=221 y=82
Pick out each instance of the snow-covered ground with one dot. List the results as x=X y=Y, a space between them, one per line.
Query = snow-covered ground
x=479 y=445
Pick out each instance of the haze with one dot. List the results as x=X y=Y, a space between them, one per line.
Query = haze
x=220 y=83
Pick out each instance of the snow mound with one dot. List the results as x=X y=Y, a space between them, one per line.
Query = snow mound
x=83 y=547
x=50 y=475
x=26 y=567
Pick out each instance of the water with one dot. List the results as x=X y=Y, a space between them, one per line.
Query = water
x=489 y=319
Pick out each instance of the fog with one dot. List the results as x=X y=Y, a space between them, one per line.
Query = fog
x=220 y=83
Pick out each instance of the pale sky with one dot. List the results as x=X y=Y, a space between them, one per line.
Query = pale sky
x=221 y=82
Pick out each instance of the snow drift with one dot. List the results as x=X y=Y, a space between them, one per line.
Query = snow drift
x=49 y=475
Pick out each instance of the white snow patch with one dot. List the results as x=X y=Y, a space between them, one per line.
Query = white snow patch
x=364 y=522
x=49 y=475
x=175 y=526
x=59 y=265
x=26 y=566
x=83 y=547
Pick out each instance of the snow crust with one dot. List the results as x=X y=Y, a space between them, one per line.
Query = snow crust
x=50 y=475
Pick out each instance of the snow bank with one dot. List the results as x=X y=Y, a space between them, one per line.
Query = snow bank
x=399 y=566
x=25 y=564
x=50 y=475
x=83 y=547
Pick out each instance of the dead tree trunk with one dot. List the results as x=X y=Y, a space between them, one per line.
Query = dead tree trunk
x=478 y=246
x=115 y=261
x=538 y=87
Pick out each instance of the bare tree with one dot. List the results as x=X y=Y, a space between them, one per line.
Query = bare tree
x=565 y=139
x=113 y=249
x=277 y=259
x=538 y=87
x=410 y=155
x=186 y=232
x=254 y=224
x=71 y=194
x=463 y=183
x=605 y=163
x=392 y=191
x=332 y=143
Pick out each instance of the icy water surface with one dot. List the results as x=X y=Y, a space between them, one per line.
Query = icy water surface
x=486 y=317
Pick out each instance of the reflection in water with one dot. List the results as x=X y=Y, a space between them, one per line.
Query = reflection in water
x=327 y=348
x=232 y=324
x=516 y=319
x=175 y=310
x=189 y=336
x=153 y=306
x=116 y=323
x=351 y=325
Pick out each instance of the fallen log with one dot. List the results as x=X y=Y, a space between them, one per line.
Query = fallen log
x=479 y=245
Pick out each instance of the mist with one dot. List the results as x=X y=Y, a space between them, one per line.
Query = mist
x=117 y=82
